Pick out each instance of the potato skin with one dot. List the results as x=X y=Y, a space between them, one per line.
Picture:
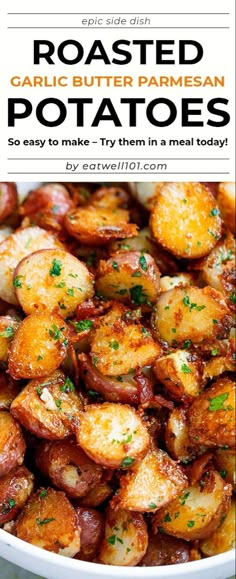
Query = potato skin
x=96 y=226
x=15 y=489
x=39 y=346
x=226 y=200
x=8 y=326
x=68 y=467
x=151 y=483
x=46 y=408
x=225 y=461
x=17 y=246
x=46 y=206
x=196 y=314
x=91 y=523
x=223 y=538
x=8 y=200
x=8 y=391
x=12 y=444
x=177 y=437
x=177 y=206
x=180 y=373
x=212 y=415
x=126 y=539
x=119 y=343
x=165 y=550
x=117 y=276
x=112 y=434
x=49 y=521
x=198 y=511
x=52 y=280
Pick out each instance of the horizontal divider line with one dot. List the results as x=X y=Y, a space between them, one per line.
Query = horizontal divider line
x=117 y=27
x=118 y=13
x=104 y=159
x=117 y=173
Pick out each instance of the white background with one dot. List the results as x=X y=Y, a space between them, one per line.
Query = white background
x=183 y=163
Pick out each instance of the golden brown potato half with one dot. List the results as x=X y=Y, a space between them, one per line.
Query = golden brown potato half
x=197 y=512
x=218 y=268
x=181 y=279
x=223 y=538
x=186 y=219
x=226 y=200
x=141 y=242
x=48 y=407
x=177 y=437
x=91 y=523
x=119 y=277
x=47 y=206
x=8 y=326
x=8 y=391
x=15 y=489
x=49 y=521
x=96 y=226
x=126 y=539
x=14 y=249
x=225 y=461
x=165 y=550
x=52 y=280
x=120 y=343
x=8 y=200
x=192 y=314
x=68 y=467
x=152 y=483
x=180 y=373
x=112 y=435
x=12 y=444
x=119 y=389
x=212 y=415
x=97 y=495
x=39 y=346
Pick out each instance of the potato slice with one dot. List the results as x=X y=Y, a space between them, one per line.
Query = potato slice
x=48 y=407
x=225 y=461
x=126 y=539
x=112 y=435
x=152 y=483
x=91 y=523
x=52 y=280
x=49 y=521
x=8 y=327
x=212 y=415
x=120 y=343
x=12 y=444
x=165 y=550
x=96 y=226
x=68 y=467
x=15 y=489
x=180 y=373
x=223 y=538
x=47 y=205
x=8 y=200
x=226 y=200
x=119 y=389
x=199 y=315
x=186 y=220
x=119 y=277
x=8 y=391
x=177 y=437
x=197 y=512
x=38 y=347
x=14 y=249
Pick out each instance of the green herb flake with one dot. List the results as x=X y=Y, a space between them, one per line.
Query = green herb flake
x=136 y=274
x=183 y=499
x=60 y=285
x=190 y=524
x=215 y=321
x=111 y=540
x=114 y=345
x=95 y=360
x=55 y=332
x=215 y=211
x=68 y=386
x=115 y=266
x=12 y=503
x=82 y=325
x=214 y=352
x=223 y=473
x=70 y=292
x=213 y=234
x=217 y=403
x=167 y=308
x=44 y=521
x=152 y=506
x=187 y=344
x=145 y=332
x=127 y=461
x=43 y=494
x=120 y=540
x=173 y=330
x=39 y=391
x=143 y=263
x=55 y=270
x=17 y=282
x=233 y=297
x=138 y=295
x=167 y=518
x=185 y=369
x=58 y=404
x=7 y=333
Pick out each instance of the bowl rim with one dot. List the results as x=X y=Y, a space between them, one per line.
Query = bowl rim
x=100 y=570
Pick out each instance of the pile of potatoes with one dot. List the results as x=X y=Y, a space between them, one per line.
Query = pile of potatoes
x=117 y=353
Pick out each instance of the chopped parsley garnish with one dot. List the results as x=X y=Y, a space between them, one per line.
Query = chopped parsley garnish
x=152 y=506
x=7 y=333
x=39 y=358
x=115 y=266
x=127 y=461
x=44 y=521
x=187 y=344
x=213 y=234
x=233 y=297
x=39 y=391
x=215 y=211
x=217 y=403
x=114 y=345
x=214 y=352
x=185 y=369
x=143 y=263
x=55 y=332
x=223 y=473
x=59 y=285
x=58 y=404
x=111 y=540
x=43 y=494
x=167 y=518
x=215 y=321
x=82 y=325
x=190 y=524
x=17 y=282
x=138 y=295
x=192 y=305
x=55 y=270
x=183 y=499
x=68 y=386
x=70 y=292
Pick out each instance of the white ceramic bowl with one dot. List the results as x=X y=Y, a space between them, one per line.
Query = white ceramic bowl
x=54 y=566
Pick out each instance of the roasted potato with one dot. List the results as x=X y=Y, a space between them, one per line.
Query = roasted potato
x=177 y=437
x=223 y=538
x=52 y=280
x=119 y=277
x=39 y=346
x=49 y=521
x=126 y=539
x=141 y=242
x=152 y=483
x=165 y=550
x=97 y=495
x=225 y=461
x=15 y=489
x=8 y=200
x=48 y=407
x=195 y=226
x=91 y=523
x=47 y=206
x=212 y=415
x=226 y=200
x=147 y=193
x=218 y=268
x=8 y=391
x=12 y=444
x=197 y=512
x=93 y=225
x=110 y=198
x=192 y=314
x=14 y=249
x=8 y=326
x=112 y=435
x=180 y=279
x=120 y=343
x=180 y=373
x=68 y=467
